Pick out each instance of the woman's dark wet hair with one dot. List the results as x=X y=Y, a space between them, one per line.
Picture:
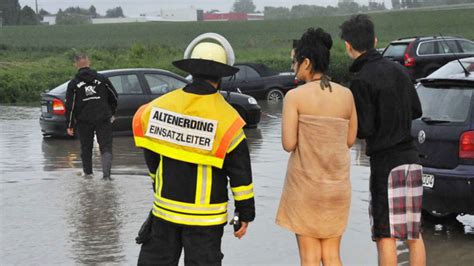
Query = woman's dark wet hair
x=315 y=44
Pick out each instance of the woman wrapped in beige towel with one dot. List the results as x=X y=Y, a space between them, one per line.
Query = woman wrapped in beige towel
x=319 y=125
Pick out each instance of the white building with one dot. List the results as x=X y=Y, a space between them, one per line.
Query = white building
x=188 y=14
x=183 y=14
x=49 y=20
x=117 y=20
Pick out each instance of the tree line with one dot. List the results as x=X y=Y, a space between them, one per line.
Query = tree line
x=303 y=11
x=11 y=13
x=347 y=7
x=401 y=4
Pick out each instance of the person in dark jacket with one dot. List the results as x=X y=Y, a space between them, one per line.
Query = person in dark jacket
x=91 y=102
x=194 y=147
x=386 y=103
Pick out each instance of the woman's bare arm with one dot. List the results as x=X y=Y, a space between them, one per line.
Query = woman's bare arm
x=289 y=124
x=352 y=134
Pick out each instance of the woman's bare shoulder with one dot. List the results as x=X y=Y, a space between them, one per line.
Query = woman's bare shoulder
x=342 y=89
x=339 y=86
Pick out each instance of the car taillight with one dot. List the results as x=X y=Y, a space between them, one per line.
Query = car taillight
x=408 y=60
x=466 y=145
x=58 y=107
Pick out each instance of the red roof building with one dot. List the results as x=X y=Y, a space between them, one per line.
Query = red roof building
x=225 y=16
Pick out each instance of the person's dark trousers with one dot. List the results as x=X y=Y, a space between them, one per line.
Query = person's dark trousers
x=103 y=130
x=202 y=245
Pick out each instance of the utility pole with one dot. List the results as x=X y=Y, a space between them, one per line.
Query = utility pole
x=36 y=3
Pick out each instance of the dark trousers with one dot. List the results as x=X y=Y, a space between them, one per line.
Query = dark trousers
x=103 y=130
x=202 y=245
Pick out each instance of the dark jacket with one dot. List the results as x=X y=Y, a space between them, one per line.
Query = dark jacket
x=386 y=103
x=179 y=178
x=90 y=97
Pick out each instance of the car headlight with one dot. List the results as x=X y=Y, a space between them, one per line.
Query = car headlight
x=252 y=100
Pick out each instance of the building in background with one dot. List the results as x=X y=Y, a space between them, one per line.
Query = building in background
x=256 y=16
x=49 y=20
x=220 y=16
x=117 y=20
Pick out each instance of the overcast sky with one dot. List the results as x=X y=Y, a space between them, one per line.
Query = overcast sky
x=136 y=7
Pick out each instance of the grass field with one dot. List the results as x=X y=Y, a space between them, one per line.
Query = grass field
x=36 y=58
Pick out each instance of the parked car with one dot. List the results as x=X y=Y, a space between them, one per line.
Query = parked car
x=135 y=87
x=445 y=138
x=423 y=55
x=261 y=82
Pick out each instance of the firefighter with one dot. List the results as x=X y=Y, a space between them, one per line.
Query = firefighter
x=194 y=145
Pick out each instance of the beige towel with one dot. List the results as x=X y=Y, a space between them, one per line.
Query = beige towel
x=317 y=192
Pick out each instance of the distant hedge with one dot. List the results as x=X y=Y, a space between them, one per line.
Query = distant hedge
x=37 y=58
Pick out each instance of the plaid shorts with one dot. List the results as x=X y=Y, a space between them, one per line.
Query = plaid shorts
x=396 y=202
x=405 y=194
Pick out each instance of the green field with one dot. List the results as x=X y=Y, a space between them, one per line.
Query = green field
x=36 y=58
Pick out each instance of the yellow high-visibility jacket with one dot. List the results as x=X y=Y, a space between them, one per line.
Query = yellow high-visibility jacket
x=194 y=146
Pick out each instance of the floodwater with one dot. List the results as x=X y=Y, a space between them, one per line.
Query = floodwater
x=51 y=215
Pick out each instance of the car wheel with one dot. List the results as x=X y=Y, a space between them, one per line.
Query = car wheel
x=274 y=96
x=439 y=216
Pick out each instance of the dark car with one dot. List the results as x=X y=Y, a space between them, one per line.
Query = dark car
x=445 y=138
x=423 y=55
x=135 y=87
x=261 y=82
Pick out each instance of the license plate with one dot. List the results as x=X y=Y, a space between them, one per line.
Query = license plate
x=428 y=180
x=44 y=108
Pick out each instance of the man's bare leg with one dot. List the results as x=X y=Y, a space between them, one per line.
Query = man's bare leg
x=417 y=252
x=387 y=251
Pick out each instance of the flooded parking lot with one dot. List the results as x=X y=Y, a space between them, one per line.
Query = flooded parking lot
x=51 y=215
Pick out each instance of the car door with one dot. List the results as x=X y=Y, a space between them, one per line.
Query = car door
x=162 y=83
x=254 y=82
x=131 y=97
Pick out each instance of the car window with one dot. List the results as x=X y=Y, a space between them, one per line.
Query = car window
x=240 y=75
x=451 y=104
x=61 y=89
x=426 y=48
x=467 y=47
x=453 y=69
x=252 y=73
x=395 y=50
x=126 y=84
x=161 y=84
x=448 y=47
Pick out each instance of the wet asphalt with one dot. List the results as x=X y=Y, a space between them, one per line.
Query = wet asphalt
x=49 y=214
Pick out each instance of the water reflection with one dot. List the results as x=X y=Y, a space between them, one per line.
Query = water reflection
x=60 y=154
x=95 y=222
x=94 y=216
x=66 y=153
x=358 y=154
x=448 y=242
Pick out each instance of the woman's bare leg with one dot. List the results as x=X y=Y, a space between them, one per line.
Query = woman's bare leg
x=310 y=250
x=330 y=251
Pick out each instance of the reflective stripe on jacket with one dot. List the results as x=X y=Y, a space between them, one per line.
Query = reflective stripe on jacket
x=191 y=182
x=184 y=126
